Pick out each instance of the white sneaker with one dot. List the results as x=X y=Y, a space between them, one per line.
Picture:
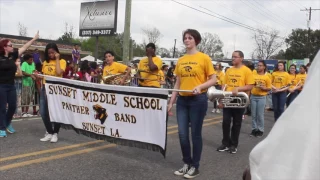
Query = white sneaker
x=24 y=115
x=29 y=115
x=54 y=138
x=213 y=111
x=217 y=111
x=46 y=138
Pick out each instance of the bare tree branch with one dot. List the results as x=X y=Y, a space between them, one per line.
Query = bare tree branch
x=266 y=44
x=211 y=45
x=153 y=35
x=23 y=30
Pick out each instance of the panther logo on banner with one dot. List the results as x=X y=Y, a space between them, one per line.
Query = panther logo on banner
x=100 y=113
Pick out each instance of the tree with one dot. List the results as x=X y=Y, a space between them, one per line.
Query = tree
x=297 y=43
x=163 y=52
x=23 y=30
x=153 y=35
x=267 y=43
x=211 y=45
x=68 y=34
x=279 y=55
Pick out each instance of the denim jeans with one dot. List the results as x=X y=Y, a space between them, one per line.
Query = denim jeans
x=258 y=104
x=279 y=101
x=218 y=87
x=44 y=111
x=191 y=109
x=291 y=97
x=8 y=95
x=269 y=100
x=235 y=115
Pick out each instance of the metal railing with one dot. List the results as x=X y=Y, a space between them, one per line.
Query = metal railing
x=28 y=98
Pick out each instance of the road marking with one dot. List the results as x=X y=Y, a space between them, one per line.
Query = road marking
x=59 y=156
x=204 y=125
x=26 y=119
x=206 y=120
x=49 y=150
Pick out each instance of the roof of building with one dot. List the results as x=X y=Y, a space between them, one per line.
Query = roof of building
x=40 y=44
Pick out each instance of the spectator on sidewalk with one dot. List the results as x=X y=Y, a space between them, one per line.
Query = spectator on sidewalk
x=28 y=84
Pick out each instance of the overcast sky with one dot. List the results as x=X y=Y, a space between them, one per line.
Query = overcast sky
x=48 y=16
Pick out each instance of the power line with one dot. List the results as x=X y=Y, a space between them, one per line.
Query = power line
x=297 y=2
x=275 y=15
x=284 y=9
x=265 y=15
x=238 y=12
x=233 y=22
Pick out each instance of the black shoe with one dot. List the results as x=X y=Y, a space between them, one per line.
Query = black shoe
x=192 y=173
x=183 y=170
x=259 y=134
x=253 y=133
x=233 y=150
x=222 y=148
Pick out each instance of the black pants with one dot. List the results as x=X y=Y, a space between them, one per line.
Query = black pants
x=218 y=87
x=229 y=114
x=44 y=111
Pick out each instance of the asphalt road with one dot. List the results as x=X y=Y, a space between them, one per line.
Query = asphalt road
x=23 y=156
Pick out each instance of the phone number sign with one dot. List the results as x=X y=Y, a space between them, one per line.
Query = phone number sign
x=102 y=32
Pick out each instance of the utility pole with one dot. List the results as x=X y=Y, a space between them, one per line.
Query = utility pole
x=126 y=36
x=309 y=30
x=174 y=48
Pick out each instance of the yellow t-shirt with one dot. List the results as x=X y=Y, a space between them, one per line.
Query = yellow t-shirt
x=292 y=80
x=114 y=68
x=50 y=68
x=238 y=77
x=269 y=75
x=193 y=70
x=280 y=79
x=161 y=76
x=261 y=80
x=254 y=72
x=220 y=77
x=302 y=78
x=152 y=76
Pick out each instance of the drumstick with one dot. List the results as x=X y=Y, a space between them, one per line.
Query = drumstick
x=294 y=87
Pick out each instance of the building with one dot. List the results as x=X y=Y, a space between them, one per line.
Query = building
x=64 y=48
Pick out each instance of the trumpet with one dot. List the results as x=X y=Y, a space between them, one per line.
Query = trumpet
x=227 y=99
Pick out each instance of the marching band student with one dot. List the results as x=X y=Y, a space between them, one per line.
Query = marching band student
x=161 y=78
x=53 y=66
x=302 y=76
x=8 y=95
x=220 y=76
x=194 y=71
x=112 y=67
x=258 y=99
x=293 y=85
x=149 y=68
x=280 y=81
x=238 y=78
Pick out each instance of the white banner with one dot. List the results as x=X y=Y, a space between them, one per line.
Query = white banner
x=123 y=115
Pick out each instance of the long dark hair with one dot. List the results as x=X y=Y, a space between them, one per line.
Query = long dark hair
x=295 y=68
x=284 y=66
x=50 y=46
x=305 y=68
x=264 y=64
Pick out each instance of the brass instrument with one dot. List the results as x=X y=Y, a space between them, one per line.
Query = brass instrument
x=115 y=79
x=227 y=99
